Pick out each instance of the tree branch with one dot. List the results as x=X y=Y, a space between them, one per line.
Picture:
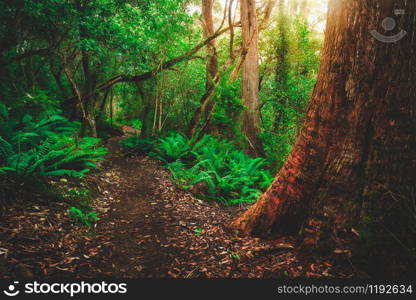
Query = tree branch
x=149 y=74
x=30 y=53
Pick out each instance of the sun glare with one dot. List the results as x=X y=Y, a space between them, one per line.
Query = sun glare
x=316 y=14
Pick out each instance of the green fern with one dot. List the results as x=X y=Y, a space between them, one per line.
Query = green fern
x=86 y=218
x=227 y=174
x=45 y=147
x=6 y=148
x=171 y=148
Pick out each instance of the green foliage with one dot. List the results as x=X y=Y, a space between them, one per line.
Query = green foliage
x=187 y=177
x=136 y=124
x=31 y=148
x=288 y=80
x=214 y=168
x=86 y=218
x=54 y=157
x=79 y=196
x=235 y=256
x=107 y=129
x=171 y=148
x=228 y=106
x=137 y=145
x=234 y=176
x=198 y=231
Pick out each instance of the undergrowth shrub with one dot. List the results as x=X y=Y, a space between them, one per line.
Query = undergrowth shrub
x=107 y=129
x=33 y=148
x=211 y=168
x=137 y=145
x=88 y=218
x=230 y=175
x=172 y=147
x=82 y=197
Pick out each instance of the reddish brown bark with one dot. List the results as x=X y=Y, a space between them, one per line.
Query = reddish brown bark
x=358 y=141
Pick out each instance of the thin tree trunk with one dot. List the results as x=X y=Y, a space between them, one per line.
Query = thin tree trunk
x=86 y=97
x=101 y=107
x=282 y=68
x=208 y=27
x=250 y=76
x=358 y=141
x=267 y=14
x=211 y=66
x=155 y=113
x=208 y=106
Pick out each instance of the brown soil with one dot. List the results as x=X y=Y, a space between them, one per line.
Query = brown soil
x=148 y=227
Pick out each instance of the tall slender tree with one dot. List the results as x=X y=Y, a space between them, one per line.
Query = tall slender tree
x=206 y=103
x=282 y=66
x=250 y=76
x=208 y=28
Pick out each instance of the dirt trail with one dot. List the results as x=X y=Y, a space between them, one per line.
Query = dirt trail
x=133 y=227
x=148 y=228
x=153 y=229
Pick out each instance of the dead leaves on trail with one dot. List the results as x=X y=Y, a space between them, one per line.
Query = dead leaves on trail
x=38 y=240
x=148 y=228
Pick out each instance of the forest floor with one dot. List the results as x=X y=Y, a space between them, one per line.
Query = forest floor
x=148 y=228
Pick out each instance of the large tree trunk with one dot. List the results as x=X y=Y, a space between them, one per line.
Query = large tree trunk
x=250 y=76
x=357 y=148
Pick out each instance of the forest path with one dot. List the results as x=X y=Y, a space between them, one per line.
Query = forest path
x=153 y=229
x=149 y=228
x=133 y=227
